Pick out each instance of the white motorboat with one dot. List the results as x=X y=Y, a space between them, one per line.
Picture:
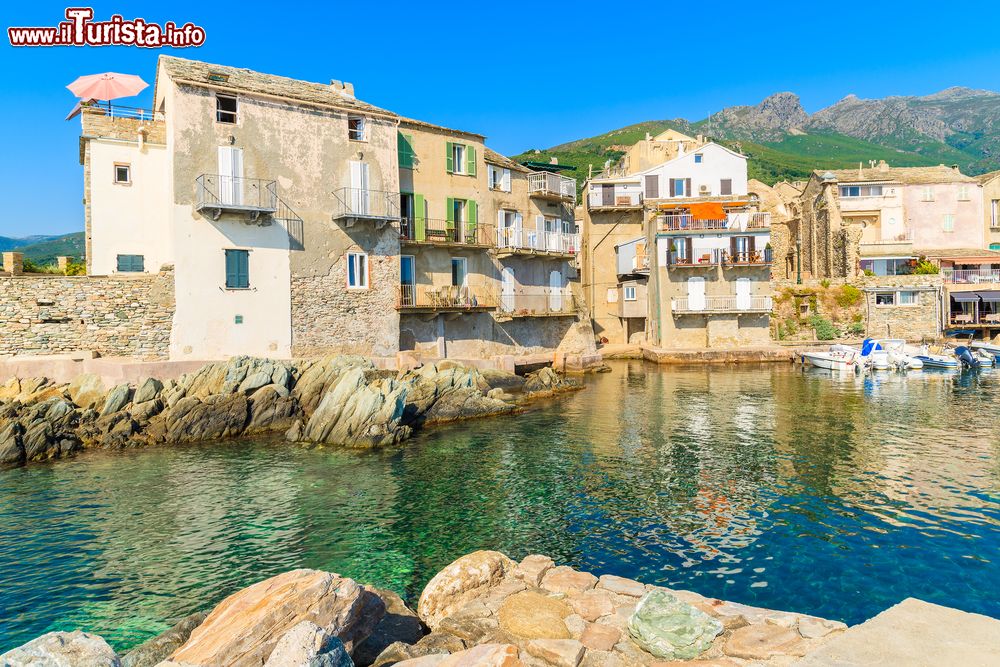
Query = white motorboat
x=839 y=358
x=884 y=354
x=934 y=360
x=985 y=346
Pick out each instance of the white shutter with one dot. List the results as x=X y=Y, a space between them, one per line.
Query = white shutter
x=230 y=174
x=505 y=181
x=359 y=187
x=555 y=291
x=696 y=293
x=743 y=293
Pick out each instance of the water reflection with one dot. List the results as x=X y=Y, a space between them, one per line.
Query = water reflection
x=831 y=494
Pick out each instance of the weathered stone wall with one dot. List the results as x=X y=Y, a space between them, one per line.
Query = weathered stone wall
x=114 y=316
x=912 y=322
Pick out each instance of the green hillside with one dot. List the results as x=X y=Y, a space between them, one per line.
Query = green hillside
x=45 y=252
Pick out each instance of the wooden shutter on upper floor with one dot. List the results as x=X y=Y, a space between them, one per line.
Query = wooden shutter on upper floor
x=732 y=247
x=726 y=186
x=404 y=146
x=419 y=218
x=471 y=220
x=690 y=249
x=470 y=160
x=687 y=187
x=449 y=159
x=450 y=214
x=652 y=186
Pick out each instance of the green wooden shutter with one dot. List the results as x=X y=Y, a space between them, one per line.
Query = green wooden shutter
x=419 y=218
x=470 y=160
x=449 y=158
x=450 y=217
x=231 y=271
x=243 y=264
x=471 y=221
x=404 y=146
x=237 y=269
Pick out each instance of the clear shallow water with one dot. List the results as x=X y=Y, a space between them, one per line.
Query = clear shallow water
x=768 y=485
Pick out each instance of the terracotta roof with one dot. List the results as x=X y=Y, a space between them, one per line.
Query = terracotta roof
x=904 y=175
x=439 y=128
x=247 y=81
x=493 y=157
x=986 y=178
x=959 y=253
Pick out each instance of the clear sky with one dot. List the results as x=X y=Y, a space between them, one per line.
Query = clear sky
x=528 y=74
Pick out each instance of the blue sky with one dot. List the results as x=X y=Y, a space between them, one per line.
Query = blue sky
x=526 y=74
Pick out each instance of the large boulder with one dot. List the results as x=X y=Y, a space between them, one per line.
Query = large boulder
x=484 y=655
x=193 y=420
x=148 y=390
x=62 y=649
x=11 y=449
x=244 y=629
x=465 y=579
x=531 y=615
x=400 y=624
x=153 y=651
x=464 y=403
x=87 y=390
x=272 y=409
x=671 y=629
x=317 y=377
x=308 y=645
x=117 y=399
x=355 y=412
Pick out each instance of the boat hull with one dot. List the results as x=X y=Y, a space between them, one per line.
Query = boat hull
x=827 y=361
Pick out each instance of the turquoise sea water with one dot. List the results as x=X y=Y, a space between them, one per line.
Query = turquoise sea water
x=767 y=485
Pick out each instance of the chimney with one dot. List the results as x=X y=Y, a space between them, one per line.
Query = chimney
x=343 y=87
x=349 y=89
x=883 y=165
x=700 y=138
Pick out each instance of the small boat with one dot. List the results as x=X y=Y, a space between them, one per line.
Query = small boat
x=932 y=360
x=839 y=358
x=986 y=347
x=884 y=354
x=968 y=358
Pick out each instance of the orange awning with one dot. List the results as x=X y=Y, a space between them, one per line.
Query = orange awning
x=708 y=211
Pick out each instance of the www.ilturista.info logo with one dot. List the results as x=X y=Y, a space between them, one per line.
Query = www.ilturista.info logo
x=79 y=29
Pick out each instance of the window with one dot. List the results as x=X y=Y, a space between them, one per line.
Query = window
x=860 y=190
x=928 y=193
x=123 y=174
x=225 y=108
x=629 y=292
x=995 y=213
x=963 y=193
x=460 y=159
x=680 y=187
x=885 y=298
x=458 y=271
x=404 y=144
x=131 y=264
x=698 y=158
x=356 y=128
x=909 y=298
x=499 y=178
x=237 y=269
x=357 y=270
x=899 y=266
x=726 y=186
x=948 y=224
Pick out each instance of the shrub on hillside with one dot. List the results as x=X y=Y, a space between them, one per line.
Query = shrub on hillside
x=849 y=296
x=824 y=328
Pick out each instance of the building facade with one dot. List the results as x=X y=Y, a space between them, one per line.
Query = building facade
x=302 y=221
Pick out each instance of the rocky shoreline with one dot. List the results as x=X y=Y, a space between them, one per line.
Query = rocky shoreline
x=336 y=400
x=484 y=609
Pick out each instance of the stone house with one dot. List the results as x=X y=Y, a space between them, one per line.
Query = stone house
x=301 y=220
x=991 y=207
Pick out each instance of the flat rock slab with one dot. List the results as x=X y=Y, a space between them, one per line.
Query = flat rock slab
x=917 y=634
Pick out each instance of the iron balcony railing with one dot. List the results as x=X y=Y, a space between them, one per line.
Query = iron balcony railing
x=614 y=199
x=514 y=238
x=971 y=276
x=721 y=304
x=545 y=184
x=446 y=232
x=698 y=258
x=748 y=257
x=446 y=297
x=362 y=203
x=740 y=221
x=538 y=301
x=236 y=193
x=119 y=111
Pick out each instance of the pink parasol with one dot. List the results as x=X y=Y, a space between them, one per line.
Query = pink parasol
x=107 y=86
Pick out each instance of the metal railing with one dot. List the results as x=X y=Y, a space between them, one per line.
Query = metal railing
x=445 y=232
x=971 y=276
x=978 y=317
x=742 y=220
x=748 y=257
x=364 y=203
x=710 y=257
x=618 y=200
x=531 y=239
x=721 y=304
x=236 y=193
x=552 y=185
x=902 y=237
x=533 y=302
x=446 y=297
x=118 y=111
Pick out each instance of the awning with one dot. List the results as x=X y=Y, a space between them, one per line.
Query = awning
x=708 y=211
x=989 y=295
x=965 y=297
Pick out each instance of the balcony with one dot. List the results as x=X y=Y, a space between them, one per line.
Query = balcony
x=614 y=200
x=253 y=197
x=357 y=204
x=747 y=258
x=445 y=233
x=555 y=187
x=699 y=259
x=429 y=299
x=737 y=221
x=708 y=305
x=515 y=241
x=971 y=276
x=538 y=302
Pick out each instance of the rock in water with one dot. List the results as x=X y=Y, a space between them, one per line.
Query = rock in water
x=117 y=398
x=467 y=578
x=147 y=391
x=152 y=651
x=308 y=645
x=86 y=390
x=671 y=629
x=244 y=629
x=62 y=649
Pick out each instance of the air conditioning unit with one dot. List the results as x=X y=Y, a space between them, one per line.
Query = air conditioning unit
x=703 y=189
